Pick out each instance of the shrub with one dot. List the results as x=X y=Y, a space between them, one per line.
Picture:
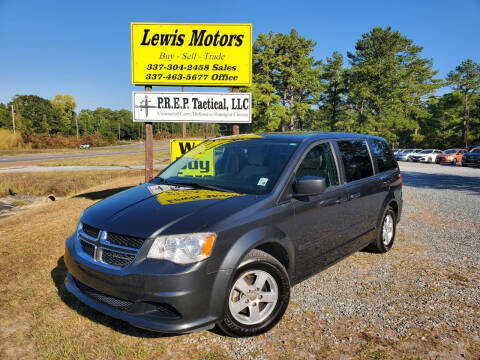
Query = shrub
x=9 y=141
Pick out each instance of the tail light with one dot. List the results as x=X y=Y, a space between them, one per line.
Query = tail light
x=401 y=179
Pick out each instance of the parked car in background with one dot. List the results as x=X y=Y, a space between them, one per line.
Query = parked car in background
x=397 y=151
x=451 y=156
x=406 y=154
x=472 y=158
x=428 y=155
x=471 y=147
x=84 y=146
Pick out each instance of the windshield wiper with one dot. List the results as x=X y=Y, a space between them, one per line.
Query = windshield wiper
x=202 y=186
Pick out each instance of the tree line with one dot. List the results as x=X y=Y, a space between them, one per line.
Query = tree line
x=384 y=87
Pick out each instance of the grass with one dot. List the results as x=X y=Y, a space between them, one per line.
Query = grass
x=160 y=157
x=61 y=183
x=17 y=152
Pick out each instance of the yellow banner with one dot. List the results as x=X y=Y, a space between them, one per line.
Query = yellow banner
x=179 y=196
x=202 y=165
x=191 y=54
x=180 y=147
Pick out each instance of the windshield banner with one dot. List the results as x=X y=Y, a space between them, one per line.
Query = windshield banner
x=200 y=107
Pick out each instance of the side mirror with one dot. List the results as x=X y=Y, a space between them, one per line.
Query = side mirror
x=309 y=185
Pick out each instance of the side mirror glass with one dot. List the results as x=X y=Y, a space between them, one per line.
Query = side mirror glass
x=309 y=185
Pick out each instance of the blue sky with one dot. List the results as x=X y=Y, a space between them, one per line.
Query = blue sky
x=82 y=47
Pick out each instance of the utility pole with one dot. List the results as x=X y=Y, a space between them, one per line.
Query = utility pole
x=13 y=120
x=76 y=123
x=118 y=131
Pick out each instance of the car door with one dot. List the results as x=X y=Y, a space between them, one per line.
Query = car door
x=361 y=186
x=319 y=219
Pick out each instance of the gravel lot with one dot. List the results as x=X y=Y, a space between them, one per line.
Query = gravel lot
x=420 y=300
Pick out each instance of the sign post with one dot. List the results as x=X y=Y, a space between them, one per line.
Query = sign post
x=148 y=144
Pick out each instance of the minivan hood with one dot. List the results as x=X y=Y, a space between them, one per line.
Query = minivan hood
x=142 y=210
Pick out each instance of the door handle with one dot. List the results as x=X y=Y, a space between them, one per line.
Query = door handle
x=355 y=195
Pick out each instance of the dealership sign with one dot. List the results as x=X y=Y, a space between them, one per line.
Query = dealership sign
x=191 y=54
x=201 y=107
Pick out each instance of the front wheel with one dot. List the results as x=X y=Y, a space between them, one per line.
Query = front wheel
x=258 y=296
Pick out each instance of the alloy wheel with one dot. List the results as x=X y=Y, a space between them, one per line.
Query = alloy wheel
x=253 y=297
x=387 y=230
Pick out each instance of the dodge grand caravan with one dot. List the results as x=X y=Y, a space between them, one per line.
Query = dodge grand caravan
x=220 y=236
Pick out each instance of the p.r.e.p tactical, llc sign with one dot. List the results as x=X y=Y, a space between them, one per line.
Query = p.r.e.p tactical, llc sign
x=191 y=54
x=199 y=107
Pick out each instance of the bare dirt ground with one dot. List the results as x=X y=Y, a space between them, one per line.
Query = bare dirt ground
x=419 y=301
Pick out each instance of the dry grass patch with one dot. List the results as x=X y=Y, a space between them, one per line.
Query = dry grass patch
x=61 y=183
x=160 y=157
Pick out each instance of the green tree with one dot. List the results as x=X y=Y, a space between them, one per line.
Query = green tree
x=286 y=80
x=65 y=106
x=333 y=94
x=34 y=114
x=466 y=79
x=387 y=82
x=5 y=117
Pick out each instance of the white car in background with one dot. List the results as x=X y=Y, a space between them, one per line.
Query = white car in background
x=407 y=153
x=84 y=146
x=428 y=155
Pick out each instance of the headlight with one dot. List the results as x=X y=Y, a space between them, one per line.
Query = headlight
x=79 y=228
x=182 y=249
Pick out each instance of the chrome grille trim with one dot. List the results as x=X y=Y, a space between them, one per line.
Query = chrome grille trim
x=101 y=243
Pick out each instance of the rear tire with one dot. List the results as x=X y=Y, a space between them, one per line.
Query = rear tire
x=245 y=312
x=386 y=232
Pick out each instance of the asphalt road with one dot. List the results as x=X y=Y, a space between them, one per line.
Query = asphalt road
x=158 y=146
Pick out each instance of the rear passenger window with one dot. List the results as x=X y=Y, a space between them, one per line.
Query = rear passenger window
x=319 y=162
x=356 y=159
x=382 y=153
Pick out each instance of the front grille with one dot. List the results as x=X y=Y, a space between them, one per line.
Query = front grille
x=104 y=298
x=125 y=240
x=90 y=230
x=116 y=258
x=88 y=248
x=114 y=249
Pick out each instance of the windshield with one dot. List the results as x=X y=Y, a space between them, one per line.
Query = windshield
x=475 y=151
x=450 y=151
x=426 y=151
x=247 y=164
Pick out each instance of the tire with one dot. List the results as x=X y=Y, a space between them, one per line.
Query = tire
x=464 y=165
x=239 y=321
x=381 y=245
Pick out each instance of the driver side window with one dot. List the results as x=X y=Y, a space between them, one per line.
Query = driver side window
x=319 y=162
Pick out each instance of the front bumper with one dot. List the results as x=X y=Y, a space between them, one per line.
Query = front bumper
x=151 y=294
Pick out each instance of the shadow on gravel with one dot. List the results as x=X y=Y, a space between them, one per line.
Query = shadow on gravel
x=100 y=195
x=59 y=274
x=442 y=181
